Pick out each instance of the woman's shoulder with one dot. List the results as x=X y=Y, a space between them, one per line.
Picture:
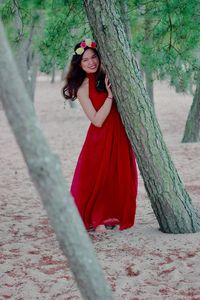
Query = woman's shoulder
x=83 y=89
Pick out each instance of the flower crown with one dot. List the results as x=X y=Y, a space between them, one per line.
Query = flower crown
x=87 y=43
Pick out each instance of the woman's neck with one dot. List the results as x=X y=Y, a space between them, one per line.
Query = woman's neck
x=90 y=75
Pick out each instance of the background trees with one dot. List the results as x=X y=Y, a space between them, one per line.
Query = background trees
x=66 y=24
x=42 y=35
x=166 y=34
x=25 y=24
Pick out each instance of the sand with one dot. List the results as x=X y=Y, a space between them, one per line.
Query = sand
x=139 y=263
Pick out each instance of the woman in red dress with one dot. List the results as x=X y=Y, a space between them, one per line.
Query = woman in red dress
x=105 y=181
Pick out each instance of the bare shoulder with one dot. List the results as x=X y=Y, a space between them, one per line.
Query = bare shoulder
x=83 y=89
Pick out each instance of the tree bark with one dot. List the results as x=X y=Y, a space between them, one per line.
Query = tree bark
x=169 y=199
x=147 y=70
x=53 y=73
x=192 y=127
x=21 y=52
x=125 y=19
x=45 y=171
x=27 y=59
x=63 y=74
x=149 y=84
x=34 y=58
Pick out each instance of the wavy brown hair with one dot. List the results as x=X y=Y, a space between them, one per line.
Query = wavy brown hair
x=75 y=75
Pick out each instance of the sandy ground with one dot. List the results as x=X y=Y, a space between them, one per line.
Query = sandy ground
x=139 y=263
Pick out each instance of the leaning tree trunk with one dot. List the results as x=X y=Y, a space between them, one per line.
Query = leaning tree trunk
x=169 y=199
x=192 y=127
x=45 y=171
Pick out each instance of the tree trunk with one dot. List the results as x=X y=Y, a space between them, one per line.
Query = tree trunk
x=53 y=73
x=169 y=199
x=149 y=84
x=64 y=72
x=28 y=60
x=21 y=52
x=147 y=70
x=192 y=127
x=34 y=60
x=125 y=19
x=45 y=171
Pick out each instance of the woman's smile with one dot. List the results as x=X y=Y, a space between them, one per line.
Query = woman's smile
x=90 y=61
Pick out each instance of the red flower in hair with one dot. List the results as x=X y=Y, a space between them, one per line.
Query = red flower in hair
x=93 y=45
x=83 y=44
x=87 y=43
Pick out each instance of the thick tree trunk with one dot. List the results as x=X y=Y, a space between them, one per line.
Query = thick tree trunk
x=192 y=127
x=169 y=199
x=45 y=171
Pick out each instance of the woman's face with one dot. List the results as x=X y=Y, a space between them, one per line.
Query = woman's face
x=89 y=61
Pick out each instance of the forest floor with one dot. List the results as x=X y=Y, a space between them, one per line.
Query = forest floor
x=139 y=263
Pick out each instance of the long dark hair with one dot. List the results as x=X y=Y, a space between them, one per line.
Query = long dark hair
x=76 y=75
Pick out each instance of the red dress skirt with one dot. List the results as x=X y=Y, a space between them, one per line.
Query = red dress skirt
x=105 y=180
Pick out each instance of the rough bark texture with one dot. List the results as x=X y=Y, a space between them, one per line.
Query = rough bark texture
x=192 y=127
x=170 y=201
x=45 y=171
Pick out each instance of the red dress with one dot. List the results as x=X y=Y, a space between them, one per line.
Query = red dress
x=105 y=181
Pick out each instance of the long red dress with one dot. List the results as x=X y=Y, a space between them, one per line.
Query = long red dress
x=105 y=181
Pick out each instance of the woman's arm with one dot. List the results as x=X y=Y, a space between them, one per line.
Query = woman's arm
x=96 y=117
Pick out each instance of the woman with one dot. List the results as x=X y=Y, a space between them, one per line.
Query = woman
x=104 y=185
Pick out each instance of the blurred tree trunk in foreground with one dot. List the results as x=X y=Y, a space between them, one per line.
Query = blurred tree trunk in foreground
x=192 y=127
x=45 y=171
x=169 y=199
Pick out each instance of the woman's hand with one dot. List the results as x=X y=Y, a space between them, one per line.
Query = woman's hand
x=108 y=85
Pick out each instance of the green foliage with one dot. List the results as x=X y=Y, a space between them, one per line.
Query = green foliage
x=166 y=33
x=59 y=25
x=20 y=17
x=6 y=10
x=65 y=26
